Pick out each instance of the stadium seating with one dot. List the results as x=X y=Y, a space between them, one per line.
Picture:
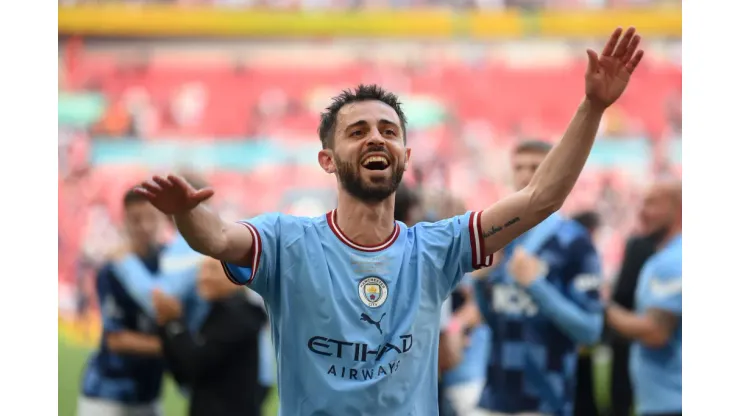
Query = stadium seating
x=252 y=124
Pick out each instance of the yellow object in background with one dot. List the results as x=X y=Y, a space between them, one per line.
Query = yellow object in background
x=164 y=20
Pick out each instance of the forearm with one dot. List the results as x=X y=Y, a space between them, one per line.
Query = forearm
x=450 y=350
x=129 y=342
x=208 y=234
x=556 y=176
x=628 y=324
x=581 y=326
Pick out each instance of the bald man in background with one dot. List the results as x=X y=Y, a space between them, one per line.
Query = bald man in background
x=655 y=325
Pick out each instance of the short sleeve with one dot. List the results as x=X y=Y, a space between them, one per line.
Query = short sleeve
x=455 y=246
x=664 y=289
x=586 y=275
x=262 y=272
x=111 y=311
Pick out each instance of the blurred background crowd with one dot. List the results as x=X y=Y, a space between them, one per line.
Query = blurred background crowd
x=152 y=94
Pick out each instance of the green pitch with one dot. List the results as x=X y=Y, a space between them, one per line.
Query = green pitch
x=72 y=360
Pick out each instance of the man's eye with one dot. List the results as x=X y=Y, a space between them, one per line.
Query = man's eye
x=390 y=132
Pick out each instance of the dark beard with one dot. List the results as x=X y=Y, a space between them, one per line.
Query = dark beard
x=349 y=177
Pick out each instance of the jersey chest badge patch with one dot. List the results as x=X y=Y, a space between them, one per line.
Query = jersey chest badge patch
x=373 y=291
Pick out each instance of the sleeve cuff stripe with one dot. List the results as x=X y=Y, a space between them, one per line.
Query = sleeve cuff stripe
x=476 y=238
x=256 y=249
x=256 y=255
x=230 y=276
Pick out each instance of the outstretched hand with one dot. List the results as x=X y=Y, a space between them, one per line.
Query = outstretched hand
x=173 y=195
x=608 y=74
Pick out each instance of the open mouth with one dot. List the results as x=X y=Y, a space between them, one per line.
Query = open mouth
x=375 y=162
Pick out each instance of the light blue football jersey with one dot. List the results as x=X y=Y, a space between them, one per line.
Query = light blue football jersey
x=656 y=372
x=356 y=328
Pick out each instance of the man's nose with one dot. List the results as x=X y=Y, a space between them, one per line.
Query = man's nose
x=375 y=138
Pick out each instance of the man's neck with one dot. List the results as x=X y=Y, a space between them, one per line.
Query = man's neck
x=363 y=223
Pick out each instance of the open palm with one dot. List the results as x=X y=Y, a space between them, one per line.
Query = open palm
x=173 y=195
x=608 y=74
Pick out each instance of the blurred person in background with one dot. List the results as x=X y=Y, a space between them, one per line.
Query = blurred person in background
x=656 y=325
x=637 y=251
x=541 y=302
x=124 y=376
x=464 y=382
x=363 y=146
x=178 y=277
x=585 y=402
x=220 y=362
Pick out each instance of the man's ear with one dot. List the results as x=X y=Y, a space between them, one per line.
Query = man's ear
x=326 y=160
x=407 y=162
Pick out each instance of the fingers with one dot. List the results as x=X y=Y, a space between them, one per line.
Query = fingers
x=624 y=43
x=143 y=192
x=203 y=194
x=179 y=182
x=593 y=61
x=151 y=187
x=162 y=182
x=632 y=64
x=630 y=52
x=612 y=43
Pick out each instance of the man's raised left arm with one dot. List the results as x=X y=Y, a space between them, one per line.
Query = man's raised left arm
x=607 y=77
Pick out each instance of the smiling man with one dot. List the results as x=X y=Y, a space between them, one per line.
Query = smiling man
x=318 y=276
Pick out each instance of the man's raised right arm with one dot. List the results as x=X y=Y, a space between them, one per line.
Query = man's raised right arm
x=202 y=228
x=208 y=234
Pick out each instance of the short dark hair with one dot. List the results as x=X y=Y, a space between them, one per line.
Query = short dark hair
x=406 y=199
x=533 y=146
x=131 y=198
x=589 y=219
x=362 y=92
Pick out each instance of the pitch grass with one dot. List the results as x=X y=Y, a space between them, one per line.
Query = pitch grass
x=72 y=359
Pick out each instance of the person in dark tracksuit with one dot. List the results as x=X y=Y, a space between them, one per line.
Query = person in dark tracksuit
x=638 y=249
x=220 y=362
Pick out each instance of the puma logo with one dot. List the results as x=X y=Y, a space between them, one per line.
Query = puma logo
x=366 y=318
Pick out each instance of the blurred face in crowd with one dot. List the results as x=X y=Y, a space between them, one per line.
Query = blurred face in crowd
x=368 y=155
x=415 y=214
x=661 y=209
x=142 y=223
x=523 y=165
x=212 y=282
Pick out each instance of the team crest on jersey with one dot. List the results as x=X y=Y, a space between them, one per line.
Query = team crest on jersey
x=373 y=291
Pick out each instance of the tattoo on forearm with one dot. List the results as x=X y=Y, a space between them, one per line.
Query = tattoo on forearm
x=496 y=229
